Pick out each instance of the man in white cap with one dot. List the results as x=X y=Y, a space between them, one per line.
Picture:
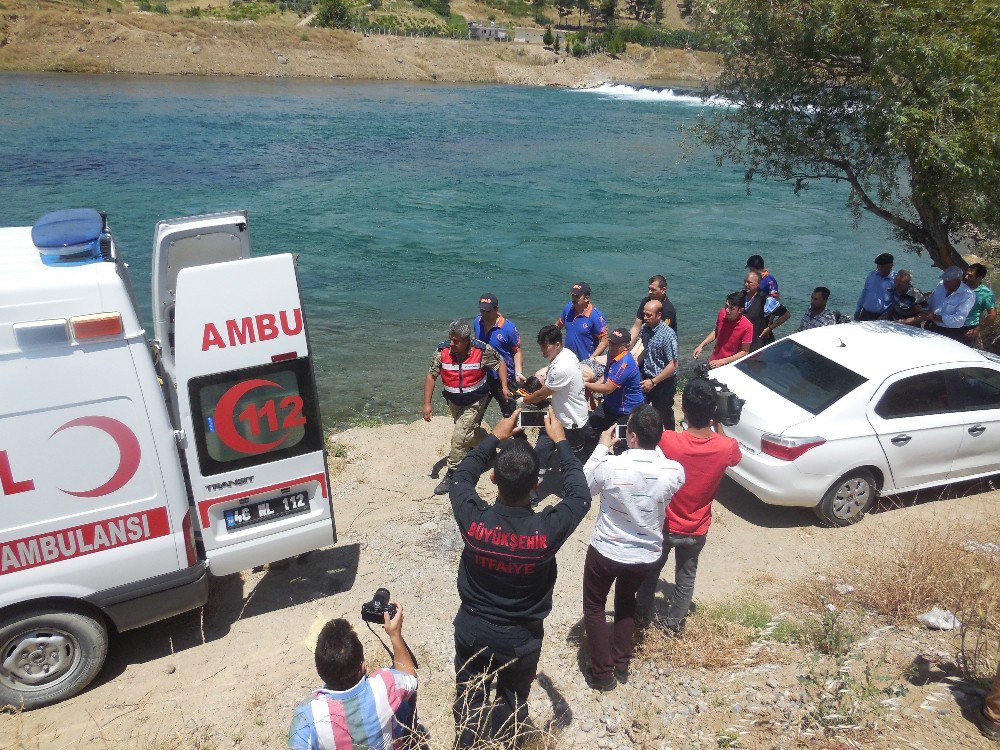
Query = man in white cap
x=949 y=305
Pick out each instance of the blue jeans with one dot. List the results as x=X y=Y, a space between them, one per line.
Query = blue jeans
x=686 y=548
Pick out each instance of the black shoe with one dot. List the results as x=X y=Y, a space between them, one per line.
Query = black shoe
x=605 y=685
x=445 y=484
x=621 y=674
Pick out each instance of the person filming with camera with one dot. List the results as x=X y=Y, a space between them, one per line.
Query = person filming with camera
x=355 y=708
x=704 y=451
x=505 y=576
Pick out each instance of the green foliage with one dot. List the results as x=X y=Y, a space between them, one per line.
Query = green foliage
x=898 y=100
x=564 y=7
x=648 y=36
x=645 y=10
x=238 y=11
x=749 y=613
x=548 y=37
x=151 y=7
x=555 y=43
x=337 y=14
x=608 y=11
x=614 y=41
x=441 y=7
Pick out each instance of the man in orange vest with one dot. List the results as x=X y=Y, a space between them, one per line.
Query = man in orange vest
x=462 y=363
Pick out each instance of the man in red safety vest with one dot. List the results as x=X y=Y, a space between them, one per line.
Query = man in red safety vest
x=462 y=363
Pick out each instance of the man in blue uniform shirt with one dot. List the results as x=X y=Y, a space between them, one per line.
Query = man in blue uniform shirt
x=493 y=328
x=586 y=329
x=621 y=385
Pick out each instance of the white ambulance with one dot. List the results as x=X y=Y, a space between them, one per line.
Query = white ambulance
x=130 y=467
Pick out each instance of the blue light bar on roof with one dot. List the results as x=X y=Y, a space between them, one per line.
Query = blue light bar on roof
x=69 y=237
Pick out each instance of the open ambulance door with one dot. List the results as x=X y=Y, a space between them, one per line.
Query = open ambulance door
x=246 y=399
x=185 y=243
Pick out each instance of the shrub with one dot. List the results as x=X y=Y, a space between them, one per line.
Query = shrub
x=336 y=14
x=547 y=37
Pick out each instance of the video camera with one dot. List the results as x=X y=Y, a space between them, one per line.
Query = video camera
x=728 y=406
x=374 y=610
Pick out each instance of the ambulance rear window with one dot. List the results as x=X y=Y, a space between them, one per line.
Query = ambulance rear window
x=256 y=415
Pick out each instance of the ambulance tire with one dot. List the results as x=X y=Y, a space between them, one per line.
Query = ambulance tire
x=71 y=644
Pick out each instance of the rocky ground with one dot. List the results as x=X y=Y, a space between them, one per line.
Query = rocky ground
x=230 y=675
x=53 y=38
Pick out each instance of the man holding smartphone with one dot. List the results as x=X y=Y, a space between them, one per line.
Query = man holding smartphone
x=505 y=578
x=635 y=488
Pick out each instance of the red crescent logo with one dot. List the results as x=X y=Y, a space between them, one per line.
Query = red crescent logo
x=128 y=453
x=225 y=425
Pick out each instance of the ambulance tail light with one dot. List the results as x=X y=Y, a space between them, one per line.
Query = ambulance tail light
x=189 y=545
x=99 y=326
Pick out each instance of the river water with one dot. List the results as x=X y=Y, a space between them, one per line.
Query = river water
x=406 y=202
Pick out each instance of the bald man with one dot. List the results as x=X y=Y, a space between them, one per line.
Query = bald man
x=658 y=362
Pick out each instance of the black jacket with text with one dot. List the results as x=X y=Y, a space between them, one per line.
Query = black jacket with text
x=508 y=566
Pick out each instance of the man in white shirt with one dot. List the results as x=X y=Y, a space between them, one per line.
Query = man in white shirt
x=949 y=305
x=564 y=385
x=635 y=488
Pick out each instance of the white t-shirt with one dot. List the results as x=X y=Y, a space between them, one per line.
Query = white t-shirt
x=564 y=379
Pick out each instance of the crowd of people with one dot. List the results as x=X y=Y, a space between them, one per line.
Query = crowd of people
x=656 y=488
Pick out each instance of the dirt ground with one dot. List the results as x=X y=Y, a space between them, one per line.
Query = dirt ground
x=83 y=40
x=230 y=675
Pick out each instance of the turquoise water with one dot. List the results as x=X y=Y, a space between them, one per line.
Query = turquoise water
x=406 y=202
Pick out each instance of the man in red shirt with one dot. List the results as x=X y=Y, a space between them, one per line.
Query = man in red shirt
x=733 y=334
x=704 y=453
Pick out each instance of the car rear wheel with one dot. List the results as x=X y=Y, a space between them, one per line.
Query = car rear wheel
x=48 y=655
x=848 y=500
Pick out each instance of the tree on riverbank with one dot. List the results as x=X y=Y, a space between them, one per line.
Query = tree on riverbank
x=899 y=100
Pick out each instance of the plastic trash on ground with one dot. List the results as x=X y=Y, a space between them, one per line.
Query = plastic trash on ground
x=939 y=619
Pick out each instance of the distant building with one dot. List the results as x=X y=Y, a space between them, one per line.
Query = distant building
x=487 y=31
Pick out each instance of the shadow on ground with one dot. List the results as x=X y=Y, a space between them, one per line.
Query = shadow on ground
x=747 y=506
x=286 y=583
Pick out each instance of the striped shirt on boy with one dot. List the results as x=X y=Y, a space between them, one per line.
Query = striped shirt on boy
x=372 y=714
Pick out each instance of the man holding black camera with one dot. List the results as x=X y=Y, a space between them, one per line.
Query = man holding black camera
x=353 y=708
x=506 y=575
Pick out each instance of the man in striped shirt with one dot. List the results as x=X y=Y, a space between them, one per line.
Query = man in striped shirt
x=355 y=709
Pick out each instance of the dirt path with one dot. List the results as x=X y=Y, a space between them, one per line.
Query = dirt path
x=229 y=677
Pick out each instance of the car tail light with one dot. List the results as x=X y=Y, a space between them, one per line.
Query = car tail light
x=189 y=546
x=788 y=449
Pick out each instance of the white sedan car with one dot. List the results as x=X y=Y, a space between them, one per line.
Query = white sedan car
x=837 y=415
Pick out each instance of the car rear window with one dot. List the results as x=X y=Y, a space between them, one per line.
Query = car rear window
x=796 y=373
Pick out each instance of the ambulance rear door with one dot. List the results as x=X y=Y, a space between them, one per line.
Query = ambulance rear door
x=184 y=243
x=246 y=399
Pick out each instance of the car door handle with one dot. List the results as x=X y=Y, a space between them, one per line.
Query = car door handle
x=977 y=430
x=900 y=440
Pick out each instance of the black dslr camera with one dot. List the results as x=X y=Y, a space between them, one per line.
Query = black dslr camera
x=374 y=610
x=728 y=406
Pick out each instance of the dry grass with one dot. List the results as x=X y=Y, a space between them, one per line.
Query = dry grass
x=954 y=567
x=715 y=637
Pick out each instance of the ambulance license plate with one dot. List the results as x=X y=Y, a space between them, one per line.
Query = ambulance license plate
x=267 y=510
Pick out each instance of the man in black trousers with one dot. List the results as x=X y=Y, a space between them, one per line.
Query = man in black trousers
x=505 y=577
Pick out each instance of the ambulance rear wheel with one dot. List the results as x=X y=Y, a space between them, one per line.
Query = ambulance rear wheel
x=48 y=655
